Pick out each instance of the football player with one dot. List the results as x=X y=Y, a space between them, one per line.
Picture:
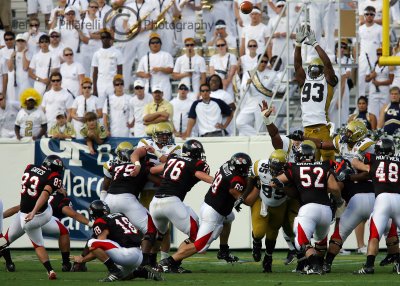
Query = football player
x=10 y=266
x=313 y=181
x=116 y=242
x=227 y=187
x=180 y=174
x=383 y=167
x=124 y=180
x=317 y=87
x=38 y=183
x=275 y=210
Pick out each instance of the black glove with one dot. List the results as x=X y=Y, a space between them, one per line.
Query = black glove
x=297 y=135
x=278 y=183
x=237 y=204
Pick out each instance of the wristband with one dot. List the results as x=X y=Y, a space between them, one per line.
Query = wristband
x=137 y=163
x=298 y=44
x=315 y=44
x=267 y=120
x=90 y=224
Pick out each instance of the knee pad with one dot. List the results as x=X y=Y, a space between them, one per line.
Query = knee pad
x=340 y=244
x=150 y=237
x=321 y=247
x=305 y=247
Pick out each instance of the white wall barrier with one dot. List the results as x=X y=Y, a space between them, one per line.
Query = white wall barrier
x=16 y=155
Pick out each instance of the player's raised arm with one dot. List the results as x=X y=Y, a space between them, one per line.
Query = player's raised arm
x=301 y=35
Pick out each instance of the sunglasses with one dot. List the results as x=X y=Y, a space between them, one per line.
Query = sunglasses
x=280 y=6
x=204 y=90
x=56 y=80
x=34 y=25
x=183 y=88
x=8 y=39
x=54 y=36
x=139 y=87
x=221 y=45
x=264 y=62
x=70 y=14
x=343 y=47
x=20 y=41
x=119 y=84
x=369 y=14
x=94 y=7
x=106 y=38
x=189 y=45
x=379 y=55
x=44 y=42
x=155 y=43
x=68 y=55
x=252 y=46
x=86 y=87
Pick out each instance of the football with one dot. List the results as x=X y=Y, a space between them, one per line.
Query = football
x=246 y=7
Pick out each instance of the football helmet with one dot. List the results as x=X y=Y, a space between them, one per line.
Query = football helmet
x=306 y=151
x=162 y=133
x=240 y=164
x=355 y=131
x=277 y=161
x=385 y=146
x=98 y=209
x=193 y=149
x=124 y=151
x=53 y=163
x=315 y=68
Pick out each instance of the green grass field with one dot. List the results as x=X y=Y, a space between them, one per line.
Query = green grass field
x=207 y=270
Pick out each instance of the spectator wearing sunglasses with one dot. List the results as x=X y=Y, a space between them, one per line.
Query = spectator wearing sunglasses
x=42 y=65
x=33 y=35
x=5 y=54
x=220 y=32
x=70 y=29
x=136 y=109
x=181 y=106
x=86 y=102
x=55 y=47
x=376 y=4
x=57 y=99
x=45 y=7
x=72 y=73
x=249 y=61
x=190 y=68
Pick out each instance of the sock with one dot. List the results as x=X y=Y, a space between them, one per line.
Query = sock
x=172 y=261
x=7 y=255
x=269 y=246
x=224 y=247
x=153 y=259
x=146 y=259
x=65 y=257
x=140 y=273
x=109 y=263
x=258 y=240
x=330 y=257
x=370 y=261
x=47 y=265
x=164 y=255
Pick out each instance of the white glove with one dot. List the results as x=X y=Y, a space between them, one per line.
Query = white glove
x=301 y=35
x=312 y=41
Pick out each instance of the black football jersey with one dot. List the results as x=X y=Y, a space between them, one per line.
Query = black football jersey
x=311 y=180
x=121 y=230
x=123 y=182
x=57 y=202
x=384 y=171
x=218 y=195
x=34 y=180
x=178 y=176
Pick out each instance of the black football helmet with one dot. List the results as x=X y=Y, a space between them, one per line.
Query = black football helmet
x=53 y=163
x=193 y=149
x=240 y=164
x=306 y=152
x=98 y=209
x=385 y=146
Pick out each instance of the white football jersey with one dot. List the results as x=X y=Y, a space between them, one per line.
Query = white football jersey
x=365 y=145
x=270 y=197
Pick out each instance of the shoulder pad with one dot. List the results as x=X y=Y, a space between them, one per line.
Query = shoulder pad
x=336 y=141
x=254 y=169
x=365 y=144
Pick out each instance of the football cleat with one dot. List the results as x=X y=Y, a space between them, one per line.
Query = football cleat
x=327 y=268
x=165 y=266
x=364 y=270
x=10 y=267
x=52 y=275
x=315 y=270
x=396 y=268
x=112 y=277
x=291 y=256
x=182 y=270
x=66 y=267
x=389 y=259
x=153 y=274
x=267 y=264
x=227 y=256
x=256 y=252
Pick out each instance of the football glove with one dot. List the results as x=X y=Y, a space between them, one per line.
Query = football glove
x=312 y=41
x=297 y=135
x=238 y=203
x=301 y=35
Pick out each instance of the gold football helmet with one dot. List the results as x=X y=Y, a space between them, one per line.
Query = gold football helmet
x=355 y=131
x=277 y=161
x=162 y=133
x=315 y=68
x=124 y=151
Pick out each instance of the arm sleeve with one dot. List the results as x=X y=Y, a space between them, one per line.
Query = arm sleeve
x=192 y=111
x=225 y=108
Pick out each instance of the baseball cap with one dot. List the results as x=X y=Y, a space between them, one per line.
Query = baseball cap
x=69 y=9
x=87 y=80
x=20 y=37
x=280 y=3
x=157 y=88
x=55 y=30
x=138 y=82
x=59 y=113
x=154 y=35
x=220 y=24
x=182 y=82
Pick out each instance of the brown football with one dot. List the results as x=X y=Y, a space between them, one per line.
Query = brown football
x=246 y=7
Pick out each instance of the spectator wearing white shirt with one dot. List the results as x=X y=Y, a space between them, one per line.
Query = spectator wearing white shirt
x=181 y=105
x=249 y=61
x=72 y=73
x=107 y=62
x=31 y=120
x=3 y=76
x=255 y=31
x=56 y=100
x=8 y=113
x=224 y=64
x=103 y=9
x=33 y=35
x=116 y=110
x=5 y=55
x=242 y=19
x=83 y=104
x=57 y=14
x=156 y=67
x=55 y=47
x=136 y=109
x=191 y=69
x=220 y=32
x=377 y=4
x=70 y=29
x=212 y=115
x=42 y=65
x=18 y=65
x=45 y=7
